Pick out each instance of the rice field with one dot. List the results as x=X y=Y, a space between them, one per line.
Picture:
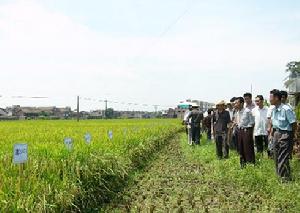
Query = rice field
x=86 y=175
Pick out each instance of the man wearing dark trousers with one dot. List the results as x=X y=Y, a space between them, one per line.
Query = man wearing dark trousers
x=245 y=123
x=284 y=98
x=187 y=124
x=207 y=123
x=260 y=113
x=248 y=101
x=283 y=132
x=221 y=122
x=196 y=118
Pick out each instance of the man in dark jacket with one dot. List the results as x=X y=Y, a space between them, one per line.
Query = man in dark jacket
x=221 y=123
x=196 y=118
x=207 y=123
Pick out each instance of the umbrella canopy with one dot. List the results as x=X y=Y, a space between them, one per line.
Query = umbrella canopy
x=184 y=105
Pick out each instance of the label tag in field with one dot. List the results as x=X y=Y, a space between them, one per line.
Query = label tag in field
x=110 y=134
x=88 y=138
x=68 y=143
x=20 y=153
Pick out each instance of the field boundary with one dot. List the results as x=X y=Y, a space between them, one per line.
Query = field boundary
x=117 y=183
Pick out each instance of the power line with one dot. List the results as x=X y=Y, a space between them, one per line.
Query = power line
x=89 y=99
x=123 y=102
x=165 y=31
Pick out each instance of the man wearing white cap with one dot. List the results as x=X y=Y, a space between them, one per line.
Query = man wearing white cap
x=186 y=122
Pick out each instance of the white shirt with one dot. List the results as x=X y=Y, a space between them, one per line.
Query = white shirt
x=186 y=116
x=261 y=121
x=230 y=113
x=270 y=111
x=245 y=118
x=251 y=106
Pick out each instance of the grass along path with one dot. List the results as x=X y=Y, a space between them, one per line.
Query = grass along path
x=191 y=179
x=166 y=186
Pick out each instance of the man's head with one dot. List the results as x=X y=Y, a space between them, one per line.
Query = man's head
x=275 y=97
x=259 y=100
x=229 y=106
x=284 y=96
x=210 y=111
x=221 y=106
x=248 y=98
x=239 y=103
x=232 y=100
x=195 y=106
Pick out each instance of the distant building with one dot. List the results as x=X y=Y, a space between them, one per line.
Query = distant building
x=3 y=112
x=96 y=114
x=35 y=112
x=170 y=113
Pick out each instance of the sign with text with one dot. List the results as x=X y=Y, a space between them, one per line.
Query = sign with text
x=20 y=153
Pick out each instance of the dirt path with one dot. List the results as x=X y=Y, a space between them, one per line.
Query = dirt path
x=168 y=185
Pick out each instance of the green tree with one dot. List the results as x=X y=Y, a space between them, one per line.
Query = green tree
x=109 y=114
x=293 y=69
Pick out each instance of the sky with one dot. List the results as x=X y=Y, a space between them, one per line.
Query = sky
x=143 y=51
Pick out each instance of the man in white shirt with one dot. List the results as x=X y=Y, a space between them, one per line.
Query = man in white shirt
x=248 y=101
x=284 y=98
x=245 y=123
x=230 y=110
x=186 y=122
x=260 y=113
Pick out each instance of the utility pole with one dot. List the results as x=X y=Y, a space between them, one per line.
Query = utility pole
x=251 y=88
x=105 y=113
x=78 y=113
x=155 y=107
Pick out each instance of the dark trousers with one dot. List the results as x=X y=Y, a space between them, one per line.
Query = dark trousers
x=282 y=153
x=233 y=142
x=209 y=134
x=261 y=143
x=196 y=135
x=246 y=146
x=235 y=139
x=222 y=146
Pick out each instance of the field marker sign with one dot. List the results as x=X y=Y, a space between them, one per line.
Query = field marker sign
x=68 y=143
x=20 y=153
x=110 y=134
x=88 y=138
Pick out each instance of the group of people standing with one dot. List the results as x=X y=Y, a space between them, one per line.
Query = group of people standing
x=243 y=125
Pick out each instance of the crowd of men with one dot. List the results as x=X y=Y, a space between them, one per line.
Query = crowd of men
x=245 y=126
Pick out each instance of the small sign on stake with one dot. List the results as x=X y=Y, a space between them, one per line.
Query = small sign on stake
x=68 y=143
x=88 y=138
x=20 y=153
x=110 y=134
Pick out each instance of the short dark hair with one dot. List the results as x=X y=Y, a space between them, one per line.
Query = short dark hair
x=284 y=93
x=233 y=99
x=248 y=94
x=240 y=99
x=276 y=93
x=209 y=111
x=260 y=97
